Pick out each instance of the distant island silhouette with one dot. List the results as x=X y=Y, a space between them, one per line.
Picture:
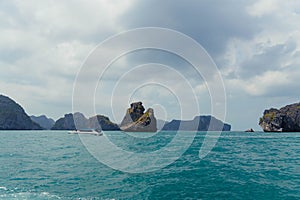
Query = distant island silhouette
x=14 y=117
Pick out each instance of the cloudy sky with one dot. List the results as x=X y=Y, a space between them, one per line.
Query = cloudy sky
x=255 y=45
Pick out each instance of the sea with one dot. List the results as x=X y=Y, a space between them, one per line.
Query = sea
x=238 y=165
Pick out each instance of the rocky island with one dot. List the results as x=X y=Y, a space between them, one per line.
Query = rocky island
x=199 y=123
x=99 y=122
x=42 y=120
x=13 y=116
x=285 y=119
x=136 y=120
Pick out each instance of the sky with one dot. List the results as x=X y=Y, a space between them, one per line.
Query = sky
x=254 y=44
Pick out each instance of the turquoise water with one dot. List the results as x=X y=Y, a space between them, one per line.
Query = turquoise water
x=55 y=165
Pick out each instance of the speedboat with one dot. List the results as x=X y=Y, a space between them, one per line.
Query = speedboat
x=87 y=131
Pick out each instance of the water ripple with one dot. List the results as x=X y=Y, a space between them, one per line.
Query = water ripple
x=55 y=165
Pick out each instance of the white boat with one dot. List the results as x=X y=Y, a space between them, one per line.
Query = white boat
x=87 y=131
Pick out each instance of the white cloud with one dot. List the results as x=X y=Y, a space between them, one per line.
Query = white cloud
x=259 y=85
x=265 y=65
x=43 y=44
x=263 y=7
x=68 y=19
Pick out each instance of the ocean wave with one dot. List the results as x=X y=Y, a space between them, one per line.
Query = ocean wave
x=28 y=195
x=3 y=188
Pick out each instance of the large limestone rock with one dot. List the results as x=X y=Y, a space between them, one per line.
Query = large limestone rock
x=43 y=121
x=286 y=119
x=13 y=116
x=67 y=122
x=136 y=120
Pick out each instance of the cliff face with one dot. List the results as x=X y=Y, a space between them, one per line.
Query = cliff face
x=102 y=122
x=13 y=116
x=199 y=123
x=97 y=122
x=43 y=121
x=136 y=120
x=286 y=119
x=64 y=123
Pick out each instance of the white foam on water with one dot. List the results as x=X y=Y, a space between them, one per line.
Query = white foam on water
x=3 y=188
x=28 y=195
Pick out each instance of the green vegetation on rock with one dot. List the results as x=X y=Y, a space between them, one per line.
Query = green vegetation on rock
x=136 y=120
x=286 y=119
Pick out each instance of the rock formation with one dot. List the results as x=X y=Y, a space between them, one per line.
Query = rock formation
x=286 y=119
x=199 y=123
x=79 y=121
x=136 y=120
x=43 y=121
x=13 y=116
x=249 y=130
x=67 y=122
x=102 y=122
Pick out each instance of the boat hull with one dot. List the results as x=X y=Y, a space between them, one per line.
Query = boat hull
x=86 y=132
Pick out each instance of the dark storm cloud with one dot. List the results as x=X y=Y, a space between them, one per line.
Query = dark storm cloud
x=211 y=23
